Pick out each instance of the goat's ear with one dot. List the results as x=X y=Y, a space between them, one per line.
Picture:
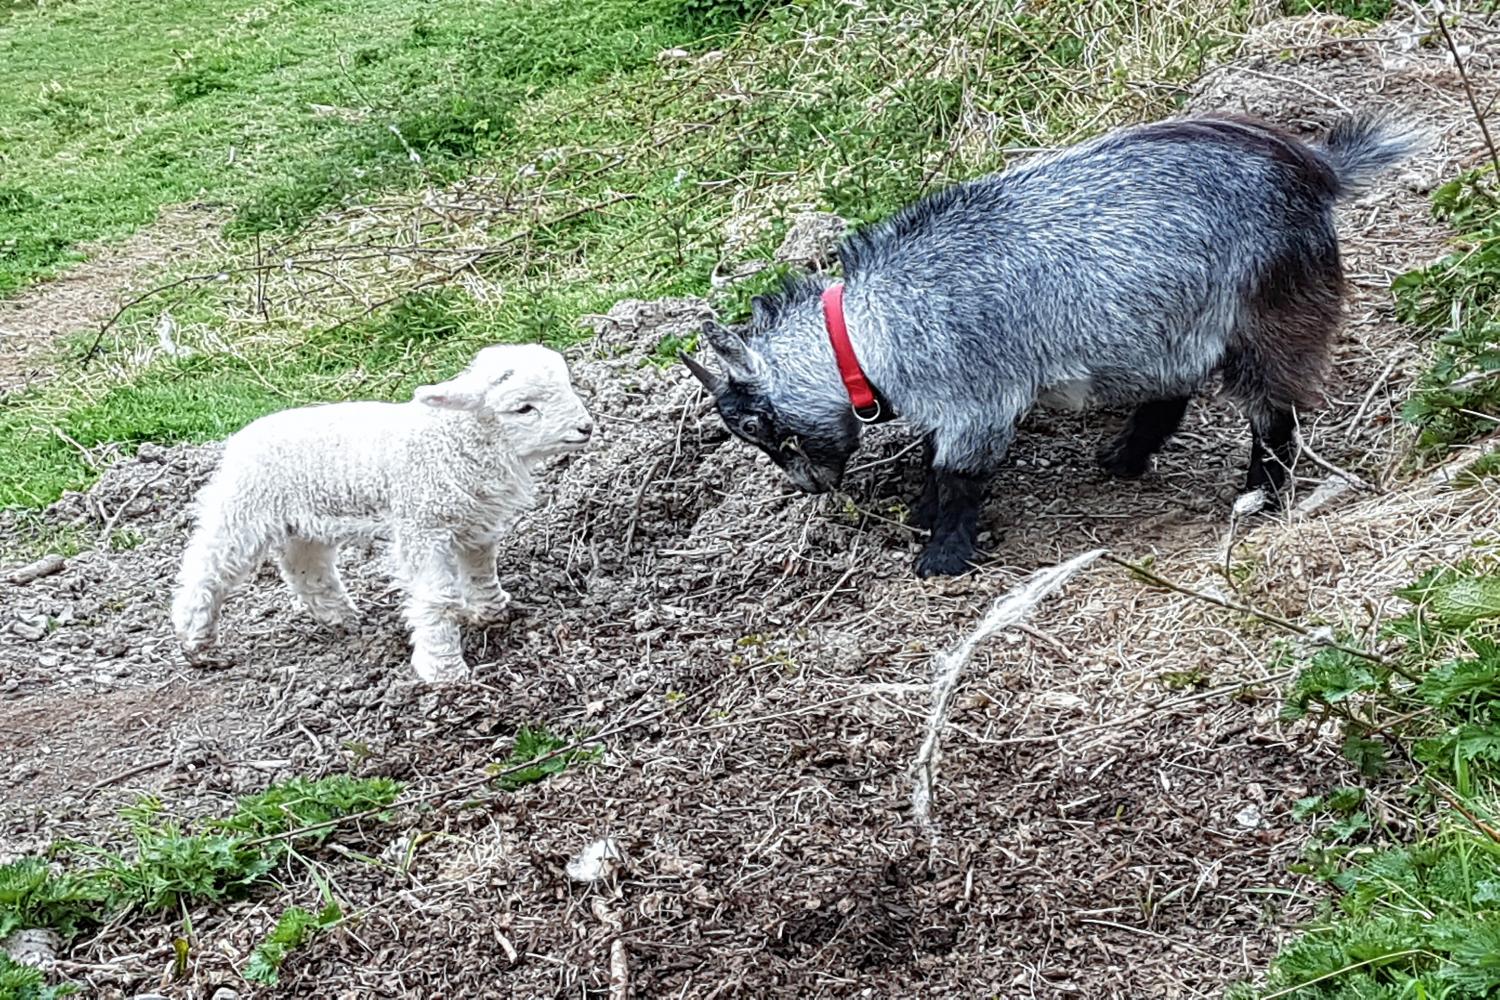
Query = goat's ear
x=448 y=396
x=761 y=313
x=742 y=362
x=715 y=384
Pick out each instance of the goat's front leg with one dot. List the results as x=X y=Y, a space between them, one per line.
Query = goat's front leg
x=925 y=516
x=955 y=524
x=484 y=598
x=434 y=596
x=953 y=493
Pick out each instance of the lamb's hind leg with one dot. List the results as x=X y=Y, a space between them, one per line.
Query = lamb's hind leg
x=216 y=562
x=428 y=565
x=1128 y=454
x=310 y=569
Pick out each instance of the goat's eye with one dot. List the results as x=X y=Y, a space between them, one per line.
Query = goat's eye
x=528 y=408
x=750 y=427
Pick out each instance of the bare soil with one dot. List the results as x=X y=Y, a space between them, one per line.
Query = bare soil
x=1114 y=797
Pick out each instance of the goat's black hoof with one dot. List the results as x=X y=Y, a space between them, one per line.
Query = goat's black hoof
x=1122 y=461
x=944 y=559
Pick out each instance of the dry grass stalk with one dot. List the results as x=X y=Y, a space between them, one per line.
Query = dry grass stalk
x=1007 y=611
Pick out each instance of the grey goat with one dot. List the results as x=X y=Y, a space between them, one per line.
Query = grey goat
x=1128 y=269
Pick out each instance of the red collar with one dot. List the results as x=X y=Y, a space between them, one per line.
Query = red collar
x=866 y=405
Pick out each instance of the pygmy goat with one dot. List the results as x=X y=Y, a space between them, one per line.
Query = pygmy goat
x=441 y=476
x=1128 y=269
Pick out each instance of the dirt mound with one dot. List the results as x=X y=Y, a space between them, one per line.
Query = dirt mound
x=760 y=660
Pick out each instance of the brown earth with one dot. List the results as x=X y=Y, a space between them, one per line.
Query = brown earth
x=1114 y=797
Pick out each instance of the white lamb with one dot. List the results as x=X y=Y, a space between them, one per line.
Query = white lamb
x=443 y=476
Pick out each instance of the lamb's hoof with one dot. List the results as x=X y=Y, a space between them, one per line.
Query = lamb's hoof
x=487 y=613
x=432 y=669
x=335 y=615
x=1122 y=461
x=197 y=650
x=944 y=558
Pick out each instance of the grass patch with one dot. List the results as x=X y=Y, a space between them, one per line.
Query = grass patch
x=1418 y=906
x=1358 y=10
x=1457 y=301
x=279 y=108
x=169 y=865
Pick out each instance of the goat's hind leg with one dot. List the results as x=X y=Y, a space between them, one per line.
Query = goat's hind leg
x=311 y=570
x=1128 y=454
x=1273 y=450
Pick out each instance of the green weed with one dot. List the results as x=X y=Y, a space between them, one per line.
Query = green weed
x=1457 y=299
x=293 y=930
x=22 y=982
x=169 y=864
x=531 y=744
x=1419 y=919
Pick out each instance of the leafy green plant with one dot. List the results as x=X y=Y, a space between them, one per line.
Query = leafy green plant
x=1419 y=919
x=531 y=744
x=22 y=982
x=170 y=864
x=292 y=931
x=1458 y=300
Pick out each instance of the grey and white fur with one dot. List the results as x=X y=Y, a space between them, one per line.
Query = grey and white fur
x=1128 y=269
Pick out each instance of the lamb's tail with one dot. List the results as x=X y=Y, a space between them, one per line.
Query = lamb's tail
x=1360 y=147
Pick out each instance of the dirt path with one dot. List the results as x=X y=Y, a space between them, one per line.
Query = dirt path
x=87 y=295
x=1109 y=824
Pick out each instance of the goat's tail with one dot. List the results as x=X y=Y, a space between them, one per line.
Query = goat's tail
x=1360 y=147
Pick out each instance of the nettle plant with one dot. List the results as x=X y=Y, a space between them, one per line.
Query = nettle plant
x=1422 y=726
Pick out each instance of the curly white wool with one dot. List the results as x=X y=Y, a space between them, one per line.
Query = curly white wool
x=442 y=476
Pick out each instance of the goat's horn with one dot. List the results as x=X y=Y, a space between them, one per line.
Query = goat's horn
x=732 y=350
x=715 y=384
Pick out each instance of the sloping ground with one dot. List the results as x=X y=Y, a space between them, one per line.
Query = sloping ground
x=1112 y=822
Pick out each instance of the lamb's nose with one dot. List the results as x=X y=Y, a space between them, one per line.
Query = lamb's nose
x=587 y=430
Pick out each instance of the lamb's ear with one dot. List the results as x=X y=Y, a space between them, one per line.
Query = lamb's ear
x=715 y=384
x=448 y=396
x=742 y=362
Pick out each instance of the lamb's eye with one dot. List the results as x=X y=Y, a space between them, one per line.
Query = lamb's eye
x=750 y=427
x=528 y=408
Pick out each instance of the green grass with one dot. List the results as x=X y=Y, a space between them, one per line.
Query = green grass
x=168 y=865
x=113 y=108
x=607 y=173
x=1457 y=301
x=1417 y=912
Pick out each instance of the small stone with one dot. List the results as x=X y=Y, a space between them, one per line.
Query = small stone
x=812 y=239
x=34 y=946
x=1248 y=818
x=224 y=993
x=48 y=660
x=28 y=631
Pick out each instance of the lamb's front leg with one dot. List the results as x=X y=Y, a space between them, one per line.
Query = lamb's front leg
x=434 y=597
x=484 y=598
